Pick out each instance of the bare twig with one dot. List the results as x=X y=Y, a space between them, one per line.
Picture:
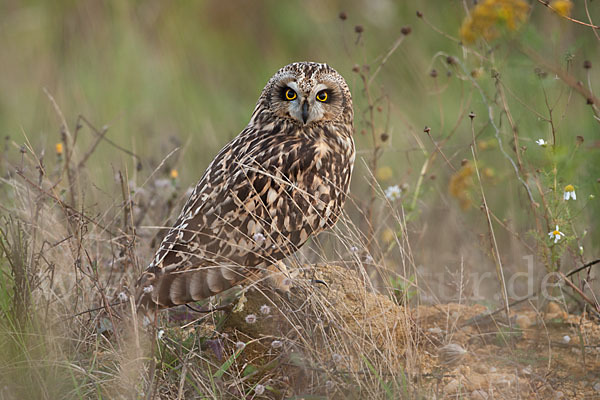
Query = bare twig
x=495 y=251
x=547 y=4
x=594 y=304
x=587 y=265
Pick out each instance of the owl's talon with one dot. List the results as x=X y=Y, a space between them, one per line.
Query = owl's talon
x=314 y=281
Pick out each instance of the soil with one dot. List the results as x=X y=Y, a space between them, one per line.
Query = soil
x=454 y=350
x=549 y=355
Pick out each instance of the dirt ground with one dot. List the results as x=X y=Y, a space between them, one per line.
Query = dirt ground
x=549 y=355
x=449 y=350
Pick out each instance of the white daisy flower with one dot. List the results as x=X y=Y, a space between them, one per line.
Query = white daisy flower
x=393 y=192
x=240 y=345
x=148 y=289
x=259 y=389
x=265 y=309
x=570 y=193
x=259 y=238
x=556 y=234
x=250 y=318
x=541 y=142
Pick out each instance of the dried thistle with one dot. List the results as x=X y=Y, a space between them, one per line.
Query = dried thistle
x=451 y=354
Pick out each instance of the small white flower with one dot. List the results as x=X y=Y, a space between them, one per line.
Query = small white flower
x=122 y=296
x=353 y=249
x=259 y=238
x=570 y=193
x=148 y=289
x=556 y=234
x=566 y=339
x=259 y=389
x=240 y=345
x=161 y=333
x=276 y=344
x=336 y=358
x=393 y=192
x=541 y=142
x=250 y=318
x=369 y=259
x=265 y=309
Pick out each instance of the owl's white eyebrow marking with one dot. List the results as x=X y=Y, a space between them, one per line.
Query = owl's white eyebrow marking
x=320 y=87
x=294 y=85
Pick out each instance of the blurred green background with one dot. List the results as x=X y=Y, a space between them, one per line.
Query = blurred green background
x=163 y=75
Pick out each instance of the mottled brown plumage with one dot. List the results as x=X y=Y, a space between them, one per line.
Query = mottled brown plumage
x=282 y=179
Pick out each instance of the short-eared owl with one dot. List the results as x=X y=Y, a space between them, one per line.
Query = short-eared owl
x=282 y=179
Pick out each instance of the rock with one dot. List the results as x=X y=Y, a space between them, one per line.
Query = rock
x=479 y=395
x=523 y=321
x=553 y=308
x=553 y=311
x=480 y=368
x=451 y=387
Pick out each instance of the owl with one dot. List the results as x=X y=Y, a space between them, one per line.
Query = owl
x=284 y=178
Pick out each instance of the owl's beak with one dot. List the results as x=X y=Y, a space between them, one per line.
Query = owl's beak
x=305 y=111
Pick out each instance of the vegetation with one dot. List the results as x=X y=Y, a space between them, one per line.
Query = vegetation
x=477 y=182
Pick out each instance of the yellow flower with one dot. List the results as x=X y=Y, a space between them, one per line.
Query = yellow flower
x=562 y=7
x=59 y=148
x=477 y=73
x=486 y=144
x=488 y=172
x=174 y=174
x=488 y=15
x=460 y=183
x=388 y=236
x=384 y=173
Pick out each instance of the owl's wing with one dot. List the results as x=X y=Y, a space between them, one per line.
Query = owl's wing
x=258 y=202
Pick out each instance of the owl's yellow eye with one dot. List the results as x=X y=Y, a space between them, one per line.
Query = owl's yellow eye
x=322 y=96
x=290 y=94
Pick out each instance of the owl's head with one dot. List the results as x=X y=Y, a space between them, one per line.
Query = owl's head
x=307 y=93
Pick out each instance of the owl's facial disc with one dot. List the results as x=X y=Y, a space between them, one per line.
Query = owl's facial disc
x=309 y=103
